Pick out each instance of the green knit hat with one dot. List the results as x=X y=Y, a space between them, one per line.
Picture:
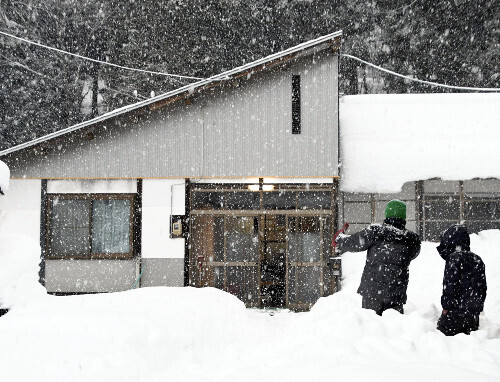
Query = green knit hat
x=395 y=209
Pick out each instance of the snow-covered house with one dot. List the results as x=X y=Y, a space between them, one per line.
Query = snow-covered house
x=235 y=181
x=230 y=182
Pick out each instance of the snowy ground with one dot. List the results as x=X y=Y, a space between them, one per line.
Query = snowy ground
x=186 y=334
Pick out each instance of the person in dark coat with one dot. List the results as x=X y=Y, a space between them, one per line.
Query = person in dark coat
x=391 y=248
x=464 y=283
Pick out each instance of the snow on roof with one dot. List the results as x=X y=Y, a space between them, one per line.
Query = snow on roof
x=4 y=176
x=190 y=88
x=390 y=139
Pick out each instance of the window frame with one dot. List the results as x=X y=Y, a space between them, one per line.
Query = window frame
x=91 y=197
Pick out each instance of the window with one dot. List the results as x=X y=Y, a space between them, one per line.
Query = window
x=475 y=203
x=90 y=226
x=439 y=212
x=296 y=104
x=482 y=213
x=238 y=197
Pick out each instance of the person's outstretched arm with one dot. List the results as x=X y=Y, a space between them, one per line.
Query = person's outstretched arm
x=360 y=241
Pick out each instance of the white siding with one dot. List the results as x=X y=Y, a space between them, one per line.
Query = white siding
x=229 y=131
x=89 y=186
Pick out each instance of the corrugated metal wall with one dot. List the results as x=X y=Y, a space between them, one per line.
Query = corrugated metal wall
x=244 y=129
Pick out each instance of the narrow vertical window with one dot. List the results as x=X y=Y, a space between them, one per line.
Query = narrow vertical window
x=296 y=104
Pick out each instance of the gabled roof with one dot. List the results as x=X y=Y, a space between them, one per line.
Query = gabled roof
x=185 y=91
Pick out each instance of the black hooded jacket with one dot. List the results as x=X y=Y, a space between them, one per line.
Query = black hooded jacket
x=391 y=248
x=464 y=281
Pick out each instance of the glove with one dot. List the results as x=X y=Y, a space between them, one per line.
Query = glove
x=336 y=237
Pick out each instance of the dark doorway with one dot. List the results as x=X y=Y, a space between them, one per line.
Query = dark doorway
x=273 y=261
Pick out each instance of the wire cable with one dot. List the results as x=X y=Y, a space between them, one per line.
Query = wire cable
x=98 y=61
x=421 y=81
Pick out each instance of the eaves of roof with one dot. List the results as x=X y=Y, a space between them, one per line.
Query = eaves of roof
x=185 y=91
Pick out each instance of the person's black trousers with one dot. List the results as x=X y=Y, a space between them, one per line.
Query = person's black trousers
x=454 y=322
x=379 y=306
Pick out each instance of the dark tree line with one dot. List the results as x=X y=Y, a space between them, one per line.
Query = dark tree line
x=450 y=41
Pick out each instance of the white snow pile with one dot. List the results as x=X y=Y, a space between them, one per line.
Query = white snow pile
x=19 y=265
x=4 y=176
x=389 y=139
x=186 y=334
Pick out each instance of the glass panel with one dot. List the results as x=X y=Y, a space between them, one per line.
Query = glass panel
x=219 y=277
x=69 y=241
x=218 y=250
x=279 y=200
x=292 y=240
x=273 y=265
x=204 y=200
x=111 y=226
x=242 y=282
x=243 y=200
x=275 y=228
x=327 y=238
x=309 y=284
x=442 y=209
x=309 y=240
x=475 y=227
x=207 y=239
x=433 y=230
x=482 y=210
x=315 y=200
x=292 y=285
x=69 y=227
x=242 y=241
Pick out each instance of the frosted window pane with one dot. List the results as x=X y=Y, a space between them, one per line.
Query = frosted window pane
x=111 y=226
x=242 y=282
x=315 y=200
x=242 y=200
x=241 y=239
x=310 y=247
x=69 y=227
x=309 y=284
x=482 y=210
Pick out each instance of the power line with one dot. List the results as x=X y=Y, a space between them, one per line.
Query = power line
x=97 y=61
x=421 y=81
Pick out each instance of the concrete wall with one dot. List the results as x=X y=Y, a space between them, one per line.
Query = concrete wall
x=162 y=272
x=90 y=276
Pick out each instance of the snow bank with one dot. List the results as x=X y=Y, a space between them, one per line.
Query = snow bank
x=387 y=140
x=186 y=334
x=4 y=176
x=19 y=266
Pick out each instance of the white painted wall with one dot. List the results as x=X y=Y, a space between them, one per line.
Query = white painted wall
x=20 y=208
x=157 y=206
x=266 y=180
x=92 y=186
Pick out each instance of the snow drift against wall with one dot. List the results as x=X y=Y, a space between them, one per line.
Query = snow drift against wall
x=19 y=265
x=188 y=334
x=4 y=176
x=389 y=139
